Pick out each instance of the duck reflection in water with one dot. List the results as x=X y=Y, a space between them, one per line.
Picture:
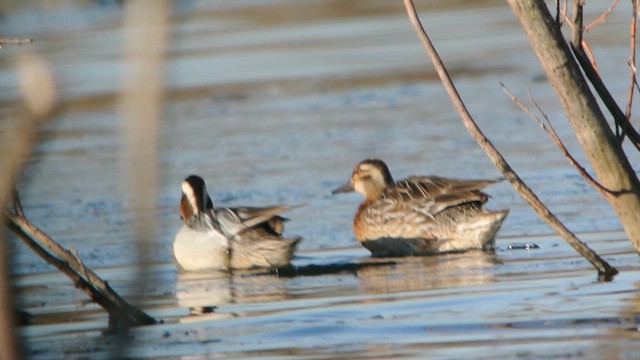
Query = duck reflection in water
x=204 y=292
x=430 y=272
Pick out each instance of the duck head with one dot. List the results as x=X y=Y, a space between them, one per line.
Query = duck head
x=370 y=177
x=195 y=199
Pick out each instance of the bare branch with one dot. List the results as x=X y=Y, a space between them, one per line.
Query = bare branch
x=15 y=200
x=14 y=41
x=589 y=54
x=551 y=131
x=602 y=16
x=604 y=269
x=565 y=16
x=581 y=54
x=561 y=13
x=121 y=313
x=548 y=128
x=577 y=28
x=75 y=254
x=632 y=59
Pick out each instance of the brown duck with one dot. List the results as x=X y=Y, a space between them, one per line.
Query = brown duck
x=420 y=215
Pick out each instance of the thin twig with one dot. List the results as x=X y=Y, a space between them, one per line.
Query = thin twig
x=565 y=16
x=16 y=204
x=592 y=59
x=602 y=16
x=561 y=13
x=605 y=270
x=551 y=132
x=82 y=267
x=632 y=59
x=579 y=52
x=14 y=41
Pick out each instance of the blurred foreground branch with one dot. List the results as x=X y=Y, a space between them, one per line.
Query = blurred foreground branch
x=605 y=270
x=38 y=94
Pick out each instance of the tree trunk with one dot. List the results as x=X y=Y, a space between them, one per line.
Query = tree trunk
x=609 y=162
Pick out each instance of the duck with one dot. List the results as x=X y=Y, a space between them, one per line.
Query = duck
x=218 y=238
x=420 y=215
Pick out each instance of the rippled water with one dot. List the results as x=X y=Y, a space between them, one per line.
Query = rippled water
x=275 y=102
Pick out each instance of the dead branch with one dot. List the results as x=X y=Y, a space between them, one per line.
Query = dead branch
x=579 y=52
x=577 y=28
x=551 y=132
x=15 y=200
x=14 y=41
x=605 y=270
x=121 y=313
x=602 y=16
x=632 y=58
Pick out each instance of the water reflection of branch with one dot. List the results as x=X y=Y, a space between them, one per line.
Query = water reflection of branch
x=604 y=269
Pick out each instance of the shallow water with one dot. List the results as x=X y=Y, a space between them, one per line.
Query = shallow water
x=275 y=102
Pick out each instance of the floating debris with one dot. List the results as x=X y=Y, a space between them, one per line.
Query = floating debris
x=522 y=246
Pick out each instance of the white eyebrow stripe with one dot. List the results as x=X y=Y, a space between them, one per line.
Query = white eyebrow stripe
x=187 y=190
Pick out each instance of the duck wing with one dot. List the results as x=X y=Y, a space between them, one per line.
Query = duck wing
x=431 y=186
x=429 y=195
x=235 y=220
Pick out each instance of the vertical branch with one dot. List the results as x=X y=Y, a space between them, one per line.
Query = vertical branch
x=37 y=89
x=9 y=349
x=578 y=42
x=632 y=58
x=623 y=125
x=606 y=156
x=577 y=22
x=140 y=101
x=145 y=27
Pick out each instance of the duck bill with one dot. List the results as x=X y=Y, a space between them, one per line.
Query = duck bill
x=343 y=189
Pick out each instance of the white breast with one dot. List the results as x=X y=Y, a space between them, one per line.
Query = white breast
x=200 y=250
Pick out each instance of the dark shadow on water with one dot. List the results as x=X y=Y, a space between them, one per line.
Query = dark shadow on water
x=328 y=269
